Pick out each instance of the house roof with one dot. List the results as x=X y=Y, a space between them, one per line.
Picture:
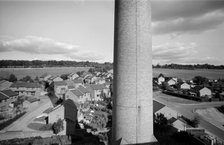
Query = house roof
x=44 y=75
x=3 y=96
x=198 y=88
x=160 y=75
x=2 y=81
x=25 y=85
x=71 y=87
x=77 y=92
x=9 y=93
x=31 y=100
x=71 y=74
x=53 y=77
x=77 y=81
x=97 y=86
x=60 y=83
x=83 y=89
x=157 y=106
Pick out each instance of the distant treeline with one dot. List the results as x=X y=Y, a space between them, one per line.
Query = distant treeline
x=52 y=63
x=189 y=66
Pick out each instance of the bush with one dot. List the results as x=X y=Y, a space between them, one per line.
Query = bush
x=10 y=121
x=58 y=126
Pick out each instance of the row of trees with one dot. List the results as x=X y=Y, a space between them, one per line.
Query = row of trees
x=13 y=78
x=189 y=66
x=52 y=63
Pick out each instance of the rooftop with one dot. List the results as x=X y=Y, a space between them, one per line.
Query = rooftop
x=25 y=85
x=77 y=92
x=9 y=93
x=60 y=83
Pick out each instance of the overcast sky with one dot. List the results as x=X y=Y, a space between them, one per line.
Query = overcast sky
x=186 y=32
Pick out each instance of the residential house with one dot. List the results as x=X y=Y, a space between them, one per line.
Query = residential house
x=74 y=84
x=67 y=112
x=99 y=80
x=168 y=112
x=161 y=79
x=77 y=96
x=54 y=79
x=7 y=98
x=203 y=91
x=4 y=85
x=31 y=102
x=44 y=77
x=26 y=89
x=73 y=76
x=97 y=90
x=185 y=86
x=171 y=82
x=86 y=92
x=88 y=79
x=60 y=89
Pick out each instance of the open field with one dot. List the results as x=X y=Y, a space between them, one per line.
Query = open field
x=33 y=72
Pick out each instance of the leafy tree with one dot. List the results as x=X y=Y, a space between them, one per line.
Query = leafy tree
x=91 y=70
x=161 y=120
x=27 y=79
x=12 y=78
x=199 y=80
x=36 y=79
x=64 y=76
x=195 y=122
x=58 y=126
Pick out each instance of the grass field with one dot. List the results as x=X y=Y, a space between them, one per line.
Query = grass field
x=33 y=72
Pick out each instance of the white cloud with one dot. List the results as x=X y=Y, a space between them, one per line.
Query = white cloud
x=173 y=51
x=181 y=53
x=41 y=46
x=208 y=21
x=36 y=45
x=82 y=56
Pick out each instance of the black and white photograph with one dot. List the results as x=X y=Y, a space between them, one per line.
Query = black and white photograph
x=111 y=72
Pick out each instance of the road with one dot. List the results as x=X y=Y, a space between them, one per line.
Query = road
x=188 y=110
x=20 y=125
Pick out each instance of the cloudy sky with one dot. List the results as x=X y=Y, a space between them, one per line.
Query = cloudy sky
x=184 y=31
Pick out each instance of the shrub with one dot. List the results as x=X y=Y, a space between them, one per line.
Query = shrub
x=58 y=126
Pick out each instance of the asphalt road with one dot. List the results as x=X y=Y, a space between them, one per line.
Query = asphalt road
x=188 y=110
x=21 y=123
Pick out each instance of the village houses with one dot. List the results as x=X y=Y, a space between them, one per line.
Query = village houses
x=73 y=76
x=60 y=89
x=54 y=79
x=7 y=98
x=161 y=79
x=26 y=89
x=4 y=85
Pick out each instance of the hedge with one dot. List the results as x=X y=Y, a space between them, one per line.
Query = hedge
x=10 y=121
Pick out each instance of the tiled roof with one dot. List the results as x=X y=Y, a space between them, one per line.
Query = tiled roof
x=2 y=81
x=77 y=81
x=25 y=85
x=157 y=106
x=9 y=93
x=83 y=89
x=77 y=92
x=71 y=87
x=160 y=75
x=3 y=96
x=97 y=86
x=31 y=100
x=60 y=83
